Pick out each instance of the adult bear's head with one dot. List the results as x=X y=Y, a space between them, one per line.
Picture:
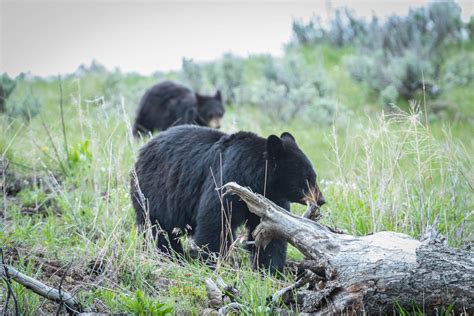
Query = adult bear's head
x=210 y=109
x=293 y=176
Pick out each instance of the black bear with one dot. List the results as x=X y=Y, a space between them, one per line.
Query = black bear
x=178 y=171
x=168 y=104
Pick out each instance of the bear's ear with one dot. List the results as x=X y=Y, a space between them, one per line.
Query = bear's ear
x=288 y=136
x=218 y=95
x=274 y=146
x=199 y=98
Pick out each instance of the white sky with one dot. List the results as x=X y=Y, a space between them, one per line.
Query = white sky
x=51 y=37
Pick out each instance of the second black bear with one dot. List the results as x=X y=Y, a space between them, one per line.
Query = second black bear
x=175 y=185
x=168 y=104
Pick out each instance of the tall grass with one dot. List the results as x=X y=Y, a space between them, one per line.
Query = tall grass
x=83 y=215
x=378 y=171
x=393 y=174
x=389 y=173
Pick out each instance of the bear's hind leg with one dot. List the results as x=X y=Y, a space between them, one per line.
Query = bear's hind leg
x=273 y=257
x=212 y=240
x=207 y=238
x=213 y=232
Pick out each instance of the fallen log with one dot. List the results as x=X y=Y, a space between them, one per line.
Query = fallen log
x=376 y=274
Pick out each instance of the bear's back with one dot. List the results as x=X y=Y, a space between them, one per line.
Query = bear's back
x=170 y=89
x=179 y=152
x=186 y=137
x=174 y=166
x=164 y=105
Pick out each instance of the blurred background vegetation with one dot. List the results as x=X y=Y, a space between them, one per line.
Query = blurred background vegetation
x=384 y=109
x=389 y=62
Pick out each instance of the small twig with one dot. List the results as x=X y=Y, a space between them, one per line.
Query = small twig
x=10 y=292
x=431 y=234
x=336 y=230
x=4 y=167
x=228 y=290
x=424 y=101
x=21 y=165
x=305 y=278
x=45 y=126
x=61 y=105
x=61 y=303
x=44 y=168
x=71 y=303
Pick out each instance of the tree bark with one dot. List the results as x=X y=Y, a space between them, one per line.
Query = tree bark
x=377 y=274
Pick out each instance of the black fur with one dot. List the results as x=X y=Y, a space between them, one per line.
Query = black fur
x=168 y=104
x=177 y=170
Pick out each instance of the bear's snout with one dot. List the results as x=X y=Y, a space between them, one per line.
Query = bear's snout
x=321 y=200
x=215 y=122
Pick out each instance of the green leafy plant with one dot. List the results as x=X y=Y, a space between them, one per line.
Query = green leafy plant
x=80 y=156
x=140 y=304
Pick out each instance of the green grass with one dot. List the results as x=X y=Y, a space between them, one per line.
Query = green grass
x=378 y=171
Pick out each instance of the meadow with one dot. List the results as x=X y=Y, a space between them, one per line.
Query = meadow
x=66 y=142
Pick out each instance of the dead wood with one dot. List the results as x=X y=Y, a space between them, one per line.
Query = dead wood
x=61 y=297
x=379 y=273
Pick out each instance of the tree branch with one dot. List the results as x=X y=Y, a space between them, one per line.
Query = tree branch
x=42 y=289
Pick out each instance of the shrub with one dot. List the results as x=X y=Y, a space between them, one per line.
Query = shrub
x=291 y=88
x=406 y=73
x=444 y=22
x=470 y=28
x=7 y=86
x=324 y=110
x=121 y=87
x=192 y=74
x=94 y=68
x=24 y=106
x=389 y=95
x=428 y=26
x=308 y=33
x=459 y=71
x=293 y=72
x=409 y=72
x=343 y=29
x=227 y=75
x=267 y=95
x=401 y=53
x=113 y=87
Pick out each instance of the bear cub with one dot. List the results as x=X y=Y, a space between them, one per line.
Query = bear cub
x=175 y=186
x=168 y=104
